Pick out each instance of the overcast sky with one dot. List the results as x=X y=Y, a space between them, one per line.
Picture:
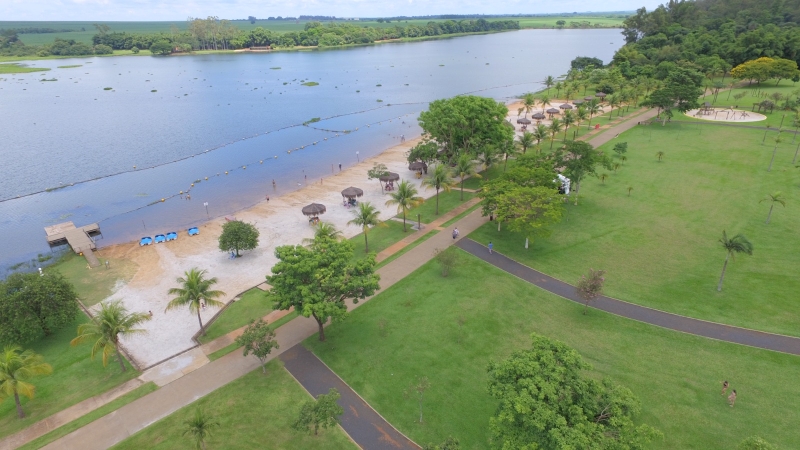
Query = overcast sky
x=178 y=10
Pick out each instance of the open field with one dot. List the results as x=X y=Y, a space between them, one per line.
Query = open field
x=449 y=328
x=75 y=378
x=250 y=306
x=83 y=31
x=753 y=94
x=94 y=285
x=254 y=412
x=447 y=202
x=659 y=246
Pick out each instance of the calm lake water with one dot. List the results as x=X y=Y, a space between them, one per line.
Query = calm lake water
x=68 y=147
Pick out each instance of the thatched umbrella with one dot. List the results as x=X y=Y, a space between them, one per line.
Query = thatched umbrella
x=524 y=121
x=588 y=98
x=538 y=117
x=314 y=209
x=552 y=111
x=565 y=106
x=352 y=192
x=390 y=176
x=417 y=165
x=601 y=95
x=577 y=102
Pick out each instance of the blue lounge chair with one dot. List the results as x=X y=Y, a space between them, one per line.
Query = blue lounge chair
x=193 y=231
x=160 y=238
x=172 y=235
x=147 y=240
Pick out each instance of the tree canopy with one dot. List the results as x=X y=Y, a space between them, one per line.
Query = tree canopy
x=237 y=235
x=34 y=306
x=317 y=280
x=546 y=400
x=464 y=125
x=259 y=339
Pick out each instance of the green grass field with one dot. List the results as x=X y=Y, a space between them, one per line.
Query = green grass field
x=447 y=202
x=254 y=412
x=379 y=238
x=250 y=306
x=776 y=119
x=16 y=68
x=94 y=285
x=113 y=405
x=83 y=31
x=660 y=246
x=75 y=378
x=449 y=328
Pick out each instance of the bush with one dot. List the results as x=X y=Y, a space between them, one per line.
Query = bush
x=34 y=306
x=162 y=47
x=134 y=50
x=101 y=49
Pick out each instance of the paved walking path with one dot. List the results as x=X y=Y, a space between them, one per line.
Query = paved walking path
x=718 y=331
x=364 y=425
x=135 y=416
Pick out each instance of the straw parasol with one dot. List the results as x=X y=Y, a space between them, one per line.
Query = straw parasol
x=524 y=121
x=314 y=209
x=565 y=106
x=538 y=116
x=588 y=98
x=552 y=111
x=417 y=165
x=390 y=176
x=577 y=102
x=352 y=192
x=600 y=94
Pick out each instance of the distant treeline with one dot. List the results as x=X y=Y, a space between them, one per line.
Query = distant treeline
x=204 y=34
x=32 y=30
x=10 y=45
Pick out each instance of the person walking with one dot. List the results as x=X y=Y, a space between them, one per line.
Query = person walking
x=491 y=246
x=724 y=386
x=732 y=398
x=340 y=167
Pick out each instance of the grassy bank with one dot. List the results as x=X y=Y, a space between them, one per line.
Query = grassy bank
x=449 y=328
x=254 y=412
x=16 y=68
x=251 y=306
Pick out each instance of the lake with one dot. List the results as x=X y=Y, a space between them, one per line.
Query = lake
x=106 y=141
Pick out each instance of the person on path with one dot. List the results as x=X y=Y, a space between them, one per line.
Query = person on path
x=455 y=233
x=724 y=386
x=491 y=246
x=340 y=167
x=732 y=398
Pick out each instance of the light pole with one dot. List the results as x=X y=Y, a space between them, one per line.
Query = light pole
x=358 y=158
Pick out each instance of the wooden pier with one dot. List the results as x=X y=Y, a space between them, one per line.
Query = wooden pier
x=79 y=238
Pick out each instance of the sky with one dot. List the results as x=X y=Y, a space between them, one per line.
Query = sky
x=179 y=10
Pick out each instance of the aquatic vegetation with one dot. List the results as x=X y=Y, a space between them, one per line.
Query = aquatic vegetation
x=311 y=83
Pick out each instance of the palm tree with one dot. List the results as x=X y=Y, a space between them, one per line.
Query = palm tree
x=405 y=197
x=528 y=102
x=660 y=156
x=778 y=140
x=112 y=321
x=324 y=230
x=16 y=367
x=554 y=129
x=613 y=102
x=199 y=428
x=525 y=141
x=630 y=188
x=487 y=156
x=569 y=89
x=616 y=167
x=195 y=291
x=465 y=168
x=592 y=108
x=736 y=244
x=540 y=133
x=545 y=101
x=772 y=199
x=439 y=179
x=580 y=115
x=603 y=177
x=568 y=120
x=549 y=81
x=559 y=86
x=365 y=216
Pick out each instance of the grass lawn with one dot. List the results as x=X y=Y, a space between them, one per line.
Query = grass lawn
x=659 y=247
x=254 y=412
x=380 y=237
x=114 y=405
x=251 y=306
x=16 y=68
x=232 y=347
x=94 y=285
x=447 y=201
x=449 y=328
x=754 y=94
x=75 y=378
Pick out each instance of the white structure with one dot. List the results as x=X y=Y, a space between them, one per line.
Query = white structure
x=564 y=184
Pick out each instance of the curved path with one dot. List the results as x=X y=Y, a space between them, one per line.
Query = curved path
x=718 y=331
x=364 y=425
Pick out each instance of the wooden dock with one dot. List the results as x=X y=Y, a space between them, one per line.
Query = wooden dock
x=79 y=238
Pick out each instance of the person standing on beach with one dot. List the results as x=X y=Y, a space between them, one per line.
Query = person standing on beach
x=491 y=246
x=732 y=398
x=340 y=167
x=273 y=182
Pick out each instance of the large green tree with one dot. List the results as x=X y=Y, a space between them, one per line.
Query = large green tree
x=194 y=292
x=405 y=197
x=16 y=368
x=464 y=124
x=34 y=306
x=317 y=281
x=439 y=180
x=529 y=210
x=107 y=326
x=237 y=235
x=366 y=216
x=547 y=401
x=580 y=160
x=681 y=91
x=732 y=246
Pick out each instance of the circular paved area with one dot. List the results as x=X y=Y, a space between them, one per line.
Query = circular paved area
x=727 y=115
